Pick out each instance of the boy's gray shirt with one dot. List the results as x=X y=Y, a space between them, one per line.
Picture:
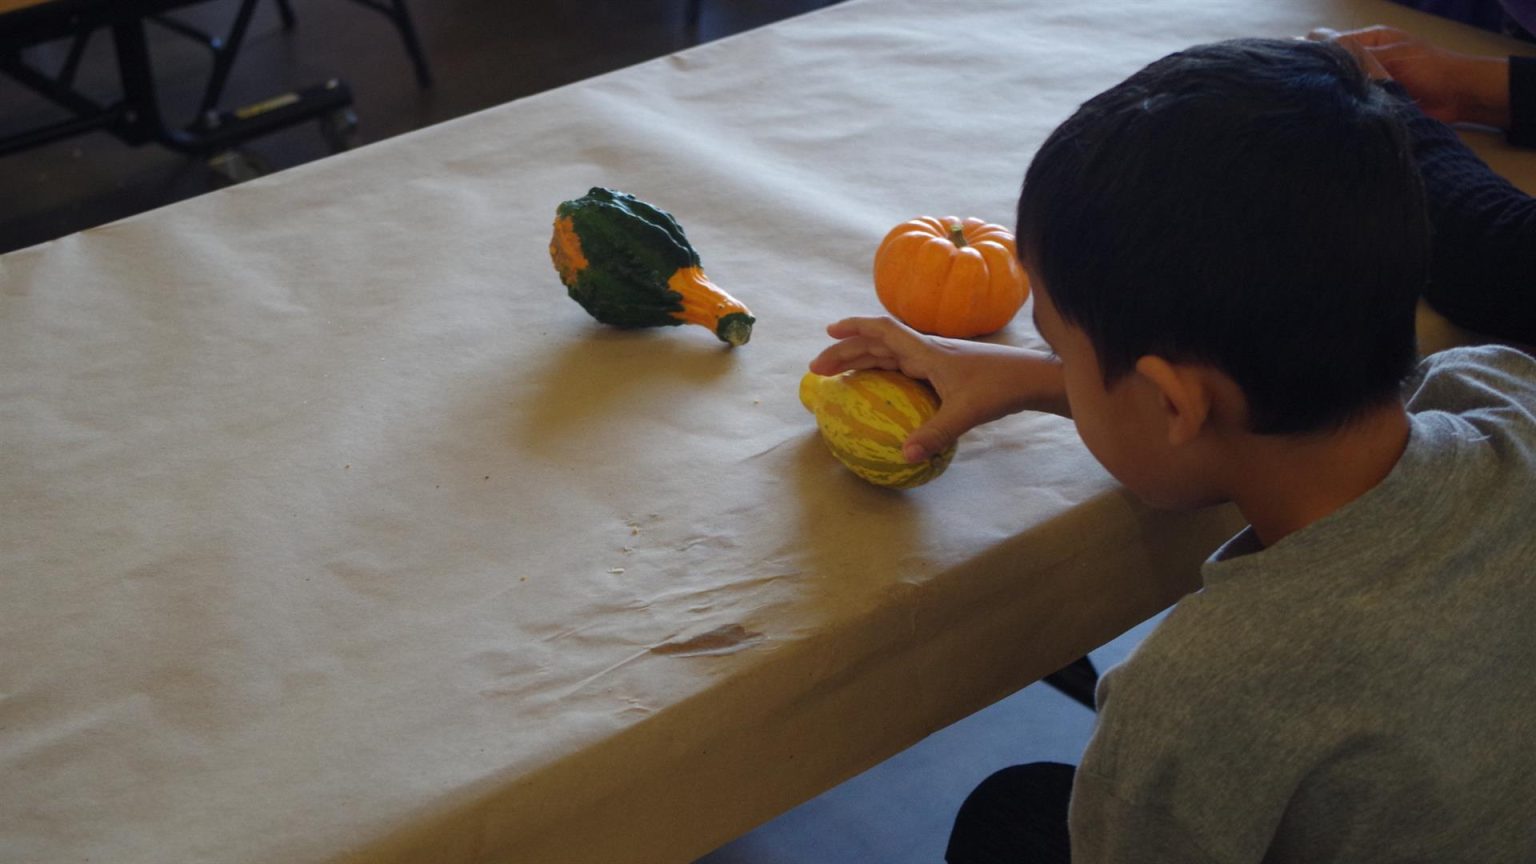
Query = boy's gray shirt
x=1362 y=691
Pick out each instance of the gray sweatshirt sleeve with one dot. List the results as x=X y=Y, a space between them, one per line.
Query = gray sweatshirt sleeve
x=1110 y=829
x=1470 y=380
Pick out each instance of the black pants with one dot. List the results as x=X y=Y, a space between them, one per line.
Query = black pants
x=1016 y=816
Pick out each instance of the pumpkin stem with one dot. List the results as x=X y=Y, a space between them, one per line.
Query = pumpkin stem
x=957 y=237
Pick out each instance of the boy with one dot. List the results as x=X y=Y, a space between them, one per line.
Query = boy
x=1226 y=251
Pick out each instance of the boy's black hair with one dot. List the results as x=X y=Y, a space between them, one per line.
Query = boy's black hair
x=1252 y=205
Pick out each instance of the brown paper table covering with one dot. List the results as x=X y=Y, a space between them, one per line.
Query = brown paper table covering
x=333 y=531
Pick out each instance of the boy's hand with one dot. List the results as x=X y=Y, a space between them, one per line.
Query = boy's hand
x=1450 y=87
x=976 y=382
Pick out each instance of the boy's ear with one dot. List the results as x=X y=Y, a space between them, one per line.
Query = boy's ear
x=1185 y=395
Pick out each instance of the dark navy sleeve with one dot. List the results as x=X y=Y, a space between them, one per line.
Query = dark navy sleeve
x=1483 y=262
x=1522 y=101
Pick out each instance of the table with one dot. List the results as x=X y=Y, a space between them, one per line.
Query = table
x=333 y=531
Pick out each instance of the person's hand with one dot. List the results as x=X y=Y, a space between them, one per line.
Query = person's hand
x=1448 y=86
x=977 y=382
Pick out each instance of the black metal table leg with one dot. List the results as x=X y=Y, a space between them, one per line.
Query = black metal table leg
x=141 y=121
x=1076 y=681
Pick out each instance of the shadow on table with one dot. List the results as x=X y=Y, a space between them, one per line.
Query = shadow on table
x=614 y=376
x=850 y=535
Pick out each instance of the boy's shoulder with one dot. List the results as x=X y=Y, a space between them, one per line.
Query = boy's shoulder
x=1473 y=414
x=1397 y=585
x=1439 y=550
x=1442 y=543
x=1476 y=378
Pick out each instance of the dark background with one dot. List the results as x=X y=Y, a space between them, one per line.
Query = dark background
x=482 y=53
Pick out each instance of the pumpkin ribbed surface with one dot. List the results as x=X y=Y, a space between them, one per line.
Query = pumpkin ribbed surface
x=865 y=415
x=629 y=264
x=950 y=277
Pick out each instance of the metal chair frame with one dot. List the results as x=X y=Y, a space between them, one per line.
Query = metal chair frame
x=136 y=117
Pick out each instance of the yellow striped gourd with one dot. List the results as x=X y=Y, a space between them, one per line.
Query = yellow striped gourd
x=865 y=415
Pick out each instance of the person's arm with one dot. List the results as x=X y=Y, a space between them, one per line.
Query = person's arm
x=1483 y=262
x=1451 y=87
x=1486 y=380
x=1522 y=101
x=977 y=382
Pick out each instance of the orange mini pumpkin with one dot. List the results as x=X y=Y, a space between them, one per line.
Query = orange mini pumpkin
x=950 y=277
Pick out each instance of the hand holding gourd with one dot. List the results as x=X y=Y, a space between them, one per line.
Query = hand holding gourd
x=977 y=382
x=865 y=415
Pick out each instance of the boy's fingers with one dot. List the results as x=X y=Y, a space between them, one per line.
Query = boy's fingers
x=824 y=364
x=922 y=445
x=883 y=329
x=855 y=327
x=933 y=437
x=854 y=352
x=926 y=442
x=866 y=343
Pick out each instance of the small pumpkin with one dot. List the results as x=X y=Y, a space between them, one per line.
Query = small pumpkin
x=629 y=264
x=950 y=277
x=865 y=415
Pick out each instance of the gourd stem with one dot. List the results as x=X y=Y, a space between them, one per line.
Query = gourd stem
x=957 y=236
x=735 y=329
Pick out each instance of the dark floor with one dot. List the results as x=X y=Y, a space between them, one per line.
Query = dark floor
x=482 y=53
